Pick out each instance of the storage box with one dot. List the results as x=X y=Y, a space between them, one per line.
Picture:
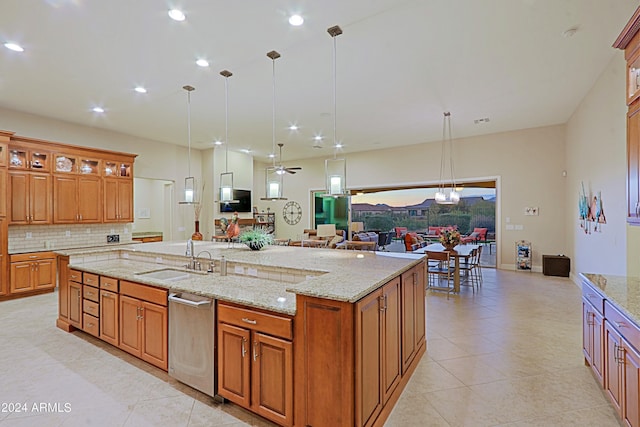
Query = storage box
x=556 y=265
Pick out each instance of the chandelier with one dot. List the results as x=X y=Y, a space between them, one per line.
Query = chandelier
x=447 y=194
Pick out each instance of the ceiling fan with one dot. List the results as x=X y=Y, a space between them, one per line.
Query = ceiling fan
x=280 y=169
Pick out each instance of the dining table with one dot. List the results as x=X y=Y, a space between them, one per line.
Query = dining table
x=457 y=253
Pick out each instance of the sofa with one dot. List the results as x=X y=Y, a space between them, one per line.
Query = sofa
x=413 y=241
x=312 y=234
x=364 y=240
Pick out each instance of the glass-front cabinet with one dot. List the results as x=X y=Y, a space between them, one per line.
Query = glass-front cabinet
x=28 y=159
x=65 y=163
x=117 y=169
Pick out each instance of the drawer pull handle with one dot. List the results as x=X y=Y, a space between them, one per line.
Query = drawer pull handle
x=255 y=351
x=620 y=324
x=33 y=256
x=244 y=350
x=252 y=322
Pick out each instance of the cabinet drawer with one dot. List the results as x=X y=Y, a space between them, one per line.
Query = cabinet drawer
x=90 y=293
x=593 y=297
x=621 y=323
x=144 y=292
x=91 y=307
x=109 y=283
x=90 y=279
x=257 y=321
x=75 y=276
x=32 y=256
x=90 y=324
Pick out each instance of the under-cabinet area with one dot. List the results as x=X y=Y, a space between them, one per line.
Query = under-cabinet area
x=275 y=336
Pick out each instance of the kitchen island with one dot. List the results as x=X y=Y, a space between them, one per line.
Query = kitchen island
x=356 y=321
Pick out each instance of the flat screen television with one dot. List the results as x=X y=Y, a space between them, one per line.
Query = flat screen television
x=243 y=205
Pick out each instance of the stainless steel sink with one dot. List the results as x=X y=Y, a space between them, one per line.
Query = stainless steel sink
x=168 y=274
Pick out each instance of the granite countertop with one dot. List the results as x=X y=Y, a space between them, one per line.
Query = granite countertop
x=339 y=274
x=59 y=249
x=622 y=291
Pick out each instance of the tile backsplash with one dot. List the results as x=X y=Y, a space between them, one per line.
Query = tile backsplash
x=28 y=238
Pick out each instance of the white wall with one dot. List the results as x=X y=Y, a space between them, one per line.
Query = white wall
x=155 y=159
x=527 y=163
x=596 y=156
x=148 y=194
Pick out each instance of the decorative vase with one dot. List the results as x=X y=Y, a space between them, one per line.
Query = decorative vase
x=449 y=246
x=197 y=235
x=254 y=246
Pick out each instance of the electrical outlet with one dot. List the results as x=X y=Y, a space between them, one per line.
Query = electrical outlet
x=29 y=235
x=68 y=233
x=113 y=238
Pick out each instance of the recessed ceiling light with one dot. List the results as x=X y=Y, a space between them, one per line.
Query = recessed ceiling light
x=338 y=145
x=246 y=150
x=296 y=20
x=217 y=142
x=318 y=138
x=293 y=127
x=176 y=15
x=140 y=89
x=14 y=47
x=98 y=110
x=202 y=62
x=272 y=155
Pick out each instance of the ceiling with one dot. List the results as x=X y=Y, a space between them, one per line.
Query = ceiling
x=400 y=65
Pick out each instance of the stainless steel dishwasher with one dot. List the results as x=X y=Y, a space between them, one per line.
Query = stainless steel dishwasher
x=191 y=341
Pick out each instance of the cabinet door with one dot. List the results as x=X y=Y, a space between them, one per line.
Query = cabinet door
x=40 y=199
x=130 y=331
x=19 y=198
x=21 y=277
x=125 y=200
x=613 y=378
x=75 y=304
x=633 y=165
x=154 y=347
x=63 y=288
x=234 y=364
x=110 y=208
x=3 y=191
x=408 y=319
x=597 y=326
x=65 y=199
x=368 y=357
x=391 y=364
x=109 y=317
x=419 y=299
x=89 y=200
x=272 y=378
x=631 y=396
x=44 y=274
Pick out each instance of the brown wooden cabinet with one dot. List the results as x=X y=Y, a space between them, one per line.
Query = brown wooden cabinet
x=75 y=304
x=77 y=199
x=592 y=338
x=109 y=310
x=143 y=322
x=32 y=272
x=363 y=335
x=118 y=200
x=28 y=157
x=30 y=196
x=378 y=368
x=413 y=314
x=255 y=361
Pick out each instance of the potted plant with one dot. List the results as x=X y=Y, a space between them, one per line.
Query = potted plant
x=256 y=238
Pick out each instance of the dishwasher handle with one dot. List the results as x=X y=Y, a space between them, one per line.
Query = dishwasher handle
x=197 y=304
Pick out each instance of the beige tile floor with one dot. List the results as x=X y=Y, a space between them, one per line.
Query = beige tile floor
x=508 y=355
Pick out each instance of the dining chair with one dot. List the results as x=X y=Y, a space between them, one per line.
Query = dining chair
x=467 y=269
x=477 y=270
x=439 y=270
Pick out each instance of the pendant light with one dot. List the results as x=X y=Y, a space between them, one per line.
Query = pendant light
x=447 y=194
x=335 y=169
x=226 y=178
x=274 y=176
x=190 y=195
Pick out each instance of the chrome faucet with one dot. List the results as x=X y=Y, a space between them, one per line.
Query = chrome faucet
x=210 y=268
x=190 y=253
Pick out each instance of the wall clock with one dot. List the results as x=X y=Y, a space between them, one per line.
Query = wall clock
x=292 y=213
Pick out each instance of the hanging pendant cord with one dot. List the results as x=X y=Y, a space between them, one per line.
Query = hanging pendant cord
x=189 y=89
x=335 y=101
x=453 y=175
x=273 y=113
x=226 y=124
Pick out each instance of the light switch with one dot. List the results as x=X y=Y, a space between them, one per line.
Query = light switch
x=509 y=226
x=519 y=227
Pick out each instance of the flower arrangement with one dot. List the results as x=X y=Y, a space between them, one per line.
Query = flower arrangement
x=256 y=238
x=449 y=237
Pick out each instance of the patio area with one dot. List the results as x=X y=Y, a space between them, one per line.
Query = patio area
x=486 y=259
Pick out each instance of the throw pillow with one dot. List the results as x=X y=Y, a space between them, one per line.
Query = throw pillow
x=335 y=241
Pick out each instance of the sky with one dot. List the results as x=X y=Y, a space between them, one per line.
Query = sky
x=414 y=196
